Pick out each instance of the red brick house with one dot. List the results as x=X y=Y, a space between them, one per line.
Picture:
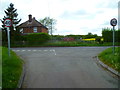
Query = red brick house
x=32 y=26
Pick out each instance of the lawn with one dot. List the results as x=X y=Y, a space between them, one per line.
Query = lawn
x=11 y=69
x=112 y=60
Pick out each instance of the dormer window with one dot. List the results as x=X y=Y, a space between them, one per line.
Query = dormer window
x=35 y=29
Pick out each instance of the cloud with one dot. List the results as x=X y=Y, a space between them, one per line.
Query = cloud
x=107 y=4
x=81 y=12
x=73 y=16
x=77 y=15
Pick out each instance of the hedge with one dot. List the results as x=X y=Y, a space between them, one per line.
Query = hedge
x=107 y=35
x=36 y=38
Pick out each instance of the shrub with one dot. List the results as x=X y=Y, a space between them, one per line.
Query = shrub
x=36 y=38
x=99 y=40
x=107 y=35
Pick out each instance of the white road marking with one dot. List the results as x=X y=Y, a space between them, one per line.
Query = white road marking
x=51 y=50
x=23 y=50
x=54 y=52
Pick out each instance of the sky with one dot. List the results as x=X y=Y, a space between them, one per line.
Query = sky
x=78 y=17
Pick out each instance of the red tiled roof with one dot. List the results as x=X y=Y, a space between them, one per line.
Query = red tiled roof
x=33 y=23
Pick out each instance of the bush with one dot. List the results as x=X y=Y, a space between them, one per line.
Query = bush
x=98 y=39
x=107 y=35
x=36 y=38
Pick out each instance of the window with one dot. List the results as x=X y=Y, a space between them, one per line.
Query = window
x=35 y=29
x=21 y=30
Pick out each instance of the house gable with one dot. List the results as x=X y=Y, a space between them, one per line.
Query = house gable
x=32 y=26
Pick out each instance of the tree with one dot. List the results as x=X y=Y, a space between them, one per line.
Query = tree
x=11 y=13
x=90 y=35
x=49 y=23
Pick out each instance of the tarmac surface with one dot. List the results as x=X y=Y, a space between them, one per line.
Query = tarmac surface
x=64 y=67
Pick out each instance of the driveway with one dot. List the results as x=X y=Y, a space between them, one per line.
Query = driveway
x=64 y=67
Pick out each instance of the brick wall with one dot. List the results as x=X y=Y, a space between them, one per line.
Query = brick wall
x=44 y=30
x=28 y=30
x=39 y=29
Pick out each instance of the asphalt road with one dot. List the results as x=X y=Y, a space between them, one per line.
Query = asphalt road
x=64 y=67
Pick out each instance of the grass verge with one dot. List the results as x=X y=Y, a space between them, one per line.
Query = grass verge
x=0 y=67
x=63 y=44
x=112 y=60
x=11 y=69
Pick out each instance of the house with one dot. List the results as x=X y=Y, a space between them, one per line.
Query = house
x=32 y=26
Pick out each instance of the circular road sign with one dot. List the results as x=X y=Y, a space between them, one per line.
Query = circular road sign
x=8 y=22
x=113 y=22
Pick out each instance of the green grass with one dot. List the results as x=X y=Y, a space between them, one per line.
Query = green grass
x=70 y=44
x=63 y=44
x=11 y=69
x=112 y=60
x=0 y=66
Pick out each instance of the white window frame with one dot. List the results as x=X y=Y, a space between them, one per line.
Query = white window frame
x=34 y=29
x=21 y=30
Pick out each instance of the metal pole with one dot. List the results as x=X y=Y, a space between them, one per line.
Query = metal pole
x=51 y=28
x=51 y=31
x=8 y=33
x=113 y=39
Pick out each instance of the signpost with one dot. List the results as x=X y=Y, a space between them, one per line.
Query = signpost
x=8 y=23
x=113 y=22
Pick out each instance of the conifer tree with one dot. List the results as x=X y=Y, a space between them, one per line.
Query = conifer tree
x=11 y=13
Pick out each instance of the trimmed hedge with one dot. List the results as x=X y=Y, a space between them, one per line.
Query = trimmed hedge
x=36 y=38
x=107 y=35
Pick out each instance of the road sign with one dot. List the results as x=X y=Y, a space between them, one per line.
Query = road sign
x=8 y=22
x=113 y=22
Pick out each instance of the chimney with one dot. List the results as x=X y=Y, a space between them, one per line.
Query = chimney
x=34 y=18
x=30 y=17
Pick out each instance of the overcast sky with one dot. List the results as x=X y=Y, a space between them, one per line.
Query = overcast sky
x=73 y=16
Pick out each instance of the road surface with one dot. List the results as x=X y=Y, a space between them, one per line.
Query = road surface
x=64 y=67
